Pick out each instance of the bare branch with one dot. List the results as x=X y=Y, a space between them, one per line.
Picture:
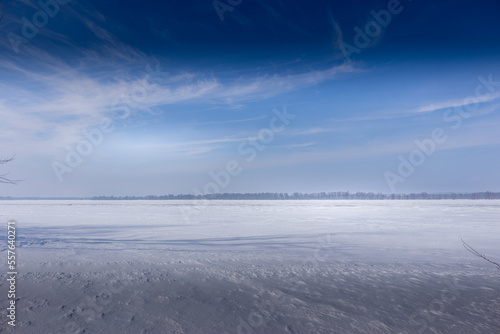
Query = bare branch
x=476 y=253
x=3 y=178
x=4 y=161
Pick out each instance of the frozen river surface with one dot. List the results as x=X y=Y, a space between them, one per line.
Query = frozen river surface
x=255 y=266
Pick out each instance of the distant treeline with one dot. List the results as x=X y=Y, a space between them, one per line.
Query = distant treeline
x=304 y=196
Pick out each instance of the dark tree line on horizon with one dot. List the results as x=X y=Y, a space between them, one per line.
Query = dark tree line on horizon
x=340 y=195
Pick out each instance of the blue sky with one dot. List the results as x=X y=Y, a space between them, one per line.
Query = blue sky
x=169 y=94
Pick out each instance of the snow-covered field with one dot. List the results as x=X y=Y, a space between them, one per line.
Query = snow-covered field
x=253 y=266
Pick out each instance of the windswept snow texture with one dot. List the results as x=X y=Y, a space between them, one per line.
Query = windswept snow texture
x=254 y=266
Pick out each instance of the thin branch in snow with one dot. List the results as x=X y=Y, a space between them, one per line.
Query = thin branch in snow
x=476 y=253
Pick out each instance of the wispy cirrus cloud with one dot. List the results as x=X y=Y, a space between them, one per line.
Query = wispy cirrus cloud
x=236 y=120
x=44 y=93
x=478 y=135
x=302 y=145
x=67 y=100
x=458 y=103
x=377 y=115
x=313 y=130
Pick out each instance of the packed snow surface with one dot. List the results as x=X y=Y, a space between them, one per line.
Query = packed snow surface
x=253 y=266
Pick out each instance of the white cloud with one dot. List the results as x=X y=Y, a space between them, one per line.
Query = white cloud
x=69 y=100
x=236 y=120
x=458 y=103
x=301 y=145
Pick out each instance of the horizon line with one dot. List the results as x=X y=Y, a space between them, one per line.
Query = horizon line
x=332 y=195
